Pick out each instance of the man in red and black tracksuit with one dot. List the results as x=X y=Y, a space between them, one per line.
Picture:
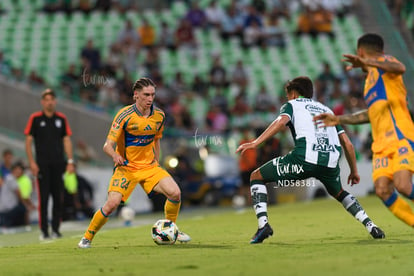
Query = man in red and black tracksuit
x=51 y=133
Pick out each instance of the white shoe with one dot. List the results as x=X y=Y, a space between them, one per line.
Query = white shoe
x=84 y=243
x=44 y=237
x=183 y=237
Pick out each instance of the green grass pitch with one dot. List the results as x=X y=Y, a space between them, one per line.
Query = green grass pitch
x=313 y=238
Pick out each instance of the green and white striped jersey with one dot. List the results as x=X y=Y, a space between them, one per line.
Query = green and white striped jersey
x=320 y=146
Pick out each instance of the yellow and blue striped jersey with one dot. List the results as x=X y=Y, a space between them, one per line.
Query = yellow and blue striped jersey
x=386 y=98
x=134 y=135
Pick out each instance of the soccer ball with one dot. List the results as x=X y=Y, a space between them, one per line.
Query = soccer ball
x=164 y=232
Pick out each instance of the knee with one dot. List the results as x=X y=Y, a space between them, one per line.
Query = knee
x=256 y=175
x=175 y=194
x=383 y=192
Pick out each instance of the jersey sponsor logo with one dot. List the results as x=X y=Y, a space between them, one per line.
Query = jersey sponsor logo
x=315 y=109
x=115 y=126
x=289 y=168
x=58 y=123
x=323 y=145
x=403 y=150
x=404 y=161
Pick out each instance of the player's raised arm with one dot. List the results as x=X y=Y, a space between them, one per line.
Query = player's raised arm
x=388 y=64
x=327 y=119
x=271 y=130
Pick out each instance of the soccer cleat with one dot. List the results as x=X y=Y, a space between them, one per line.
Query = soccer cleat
x=262 y=233
x=84 y=243
x=44 y=237
x=56 y=235
x=183 y=237
x=377 y=233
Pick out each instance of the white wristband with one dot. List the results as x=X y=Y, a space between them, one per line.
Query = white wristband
x=71 y=161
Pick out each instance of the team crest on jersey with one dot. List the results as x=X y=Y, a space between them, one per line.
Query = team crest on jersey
x=323 y=145
x=58 y=123
x=134 y=126
x=115 y=126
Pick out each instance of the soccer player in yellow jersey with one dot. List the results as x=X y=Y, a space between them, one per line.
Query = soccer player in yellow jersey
x=391 y=123
x=133 y=143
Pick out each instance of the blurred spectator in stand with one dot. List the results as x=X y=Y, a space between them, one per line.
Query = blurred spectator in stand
x=17 y=75
x=114 y=60
x=214 y=14
x=220 y=100
x=92 y=54
x=269 y=149
x=273 y=33
x=239 y=76
x=84 y=152
x=69 y=81
x=166 y=37
x=34 y=80
x=124 y=6
x=25 y=187
x=151 y=61
x=198 y=86
x=85 y=6
x=337 y=98
x=178 y=85
x=264 y=102
x=316 y=21
x=326 y=80
x=216 y=120
x=51 y=6
x=129 y=53
x=128 y=33
x=240 y=107
x=218 y=74
x=231 y=24
x=5 y=67
x=253 y=35
x=180 y=114
x=196 y=16
x=184 y=37
x=7 y=162
x=147 y=34
x=252 y=16
x=322 y=21
x=247 y=163
x=104 y=5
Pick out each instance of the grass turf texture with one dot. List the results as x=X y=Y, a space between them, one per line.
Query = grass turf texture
x=315 y=238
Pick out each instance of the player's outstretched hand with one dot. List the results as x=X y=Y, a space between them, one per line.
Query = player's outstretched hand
x=353 y=179
x=356 y=61
x=243 y=147
x=326 y=119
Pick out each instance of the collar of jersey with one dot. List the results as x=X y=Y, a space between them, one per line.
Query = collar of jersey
x=140 y=114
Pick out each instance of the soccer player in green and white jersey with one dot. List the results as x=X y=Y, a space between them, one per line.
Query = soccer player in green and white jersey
x=316 y=154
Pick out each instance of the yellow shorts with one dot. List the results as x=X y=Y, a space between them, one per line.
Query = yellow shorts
x=124 y=180
x=386 y=164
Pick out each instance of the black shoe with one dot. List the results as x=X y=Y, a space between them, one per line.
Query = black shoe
x=262 y=233
x=377 y=233
x=56 y=235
